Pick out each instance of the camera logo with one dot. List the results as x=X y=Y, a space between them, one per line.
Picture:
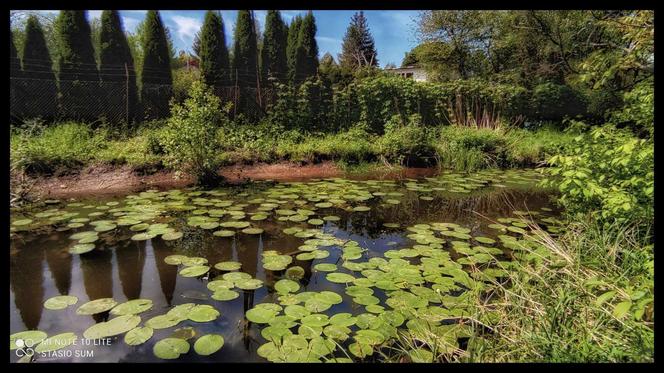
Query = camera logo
x=25 y=347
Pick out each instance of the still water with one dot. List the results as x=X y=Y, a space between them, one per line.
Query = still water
x=125 y=269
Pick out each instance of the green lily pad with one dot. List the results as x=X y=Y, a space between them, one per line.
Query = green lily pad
x=81 y=248
x=170 y=236
x=208 y=344
x=286 y=286
x=194 y=271
x=96 y=306
x=340 y=278
x=56 y=342
x=225 y=295
x=32 y=337
x=60 y=302
x=228 y=266
x=224 y=233
x=163 y=321
x=115 y=326
x=203 y=313
x=261 y=315
x=316 y=319
x=170 y=348
x=132 y=307
x=138 y=335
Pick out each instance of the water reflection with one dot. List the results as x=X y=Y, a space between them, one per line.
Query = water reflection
x=97 y=269
x=27 y=284
x=60 y=265
x=167 y=273
x=131 y=259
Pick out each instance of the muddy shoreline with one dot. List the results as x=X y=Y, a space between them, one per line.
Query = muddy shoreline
x=107 y=181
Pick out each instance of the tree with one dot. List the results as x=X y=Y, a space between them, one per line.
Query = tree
x=358 y=49
x=245 y=61
x=292 y=46
x=156 y=75
x=329 y=70
x=306 y=61
x=77 y=74
x=15 y=83
x=213 y=54
x=273 y=52
x=116 y=64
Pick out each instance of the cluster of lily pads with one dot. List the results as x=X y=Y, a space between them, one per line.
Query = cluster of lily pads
x=422 y=292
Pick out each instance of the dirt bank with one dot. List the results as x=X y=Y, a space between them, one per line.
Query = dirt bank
x=109 y=180
x=105 y=180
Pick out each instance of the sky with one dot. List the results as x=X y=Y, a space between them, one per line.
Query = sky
x=393 y=30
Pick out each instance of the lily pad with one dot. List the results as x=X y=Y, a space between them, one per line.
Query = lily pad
x=203 y=313
x=286 y=286
x=132 y=307
x=56 y=342
x=194 y=271
x=340 y=278
x=32 y=337
x=138 y=335
x=208 y=344
x=60 y=302
x=96 y=306
x=170 y=348
x=115 y=326
x=228 y=266
x=225 y=295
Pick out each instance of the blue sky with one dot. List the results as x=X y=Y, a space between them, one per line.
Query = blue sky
x=393 y=30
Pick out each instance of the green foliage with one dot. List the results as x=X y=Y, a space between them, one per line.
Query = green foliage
x=306 y=56
x=190 y=140
x=183 y=79
x=45 y=150
x=607 y=172
x=639 y=108
x=77 y=74
x=273 y=53
x=406 y=143
x=552 y=101
x=156 y=75
x=213 y=53
x=116 y=62
x=245 y=54
x=292 y=46
x=37 y=67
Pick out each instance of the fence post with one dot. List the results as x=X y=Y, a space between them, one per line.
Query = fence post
x=127 y=93
x=235 y=98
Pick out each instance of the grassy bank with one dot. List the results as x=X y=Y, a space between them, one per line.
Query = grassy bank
x=70 y=146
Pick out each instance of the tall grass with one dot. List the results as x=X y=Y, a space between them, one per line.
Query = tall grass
x=554 y=311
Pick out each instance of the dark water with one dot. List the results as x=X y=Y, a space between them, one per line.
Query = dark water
x=119 y=268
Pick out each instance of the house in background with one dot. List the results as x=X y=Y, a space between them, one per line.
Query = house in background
x=410 y=71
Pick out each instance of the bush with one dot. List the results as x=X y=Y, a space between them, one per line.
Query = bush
x=470 y=149
x=551 y=101
x=607 y=172
x=183 y=80
x=190 y=140
x=406 y=144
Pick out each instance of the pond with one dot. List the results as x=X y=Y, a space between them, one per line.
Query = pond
x=312 y=270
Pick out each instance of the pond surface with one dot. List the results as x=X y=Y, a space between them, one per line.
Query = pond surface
x=396 y=236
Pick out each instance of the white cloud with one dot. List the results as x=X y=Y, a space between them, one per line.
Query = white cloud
x=130 y=24
x=187 y=27
x=94 y=14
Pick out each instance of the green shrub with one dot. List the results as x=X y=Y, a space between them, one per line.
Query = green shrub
x=190 y=140
x=607 y=172
x=551 y=101
x=468 y=149
x=183 y=80
x=406 y=144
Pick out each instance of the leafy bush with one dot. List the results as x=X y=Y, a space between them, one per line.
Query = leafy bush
x=607 y=172
x=407 y=144
x=551 y=101
x=190 y=139
x=183 y=80
x=639 y=107
x=469 y=149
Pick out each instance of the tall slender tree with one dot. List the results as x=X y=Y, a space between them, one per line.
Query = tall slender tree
x=156 y=75
x=245 y=54
x=212 y=51
x=116 y=64
x=15 y=75
x=273 y=52
x=292 y=46
x=77 y=74
x=40 y=92
x=358 y=48
x=306 y=63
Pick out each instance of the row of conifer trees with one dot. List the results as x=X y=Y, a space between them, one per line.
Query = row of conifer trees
x=78 y=87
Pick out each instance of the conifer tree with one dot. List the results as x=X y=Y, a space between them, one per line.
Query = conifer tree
x=212 y=51
x=245 y=54
x=118 y=75
x=292 y=46
x=156 y=75
x=77 y=74
x=306 y=64
x=15 y=74
x=273 y=53
x=358 y=48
